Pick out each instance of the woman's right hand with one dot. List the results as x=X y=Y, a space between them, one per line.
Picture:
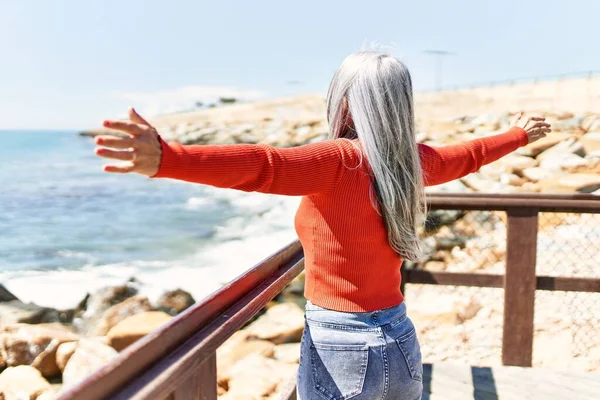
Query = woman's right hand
x=536 y=127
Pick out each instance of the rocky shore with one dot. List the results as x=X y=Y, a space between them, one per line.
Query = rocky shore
x=43 y=350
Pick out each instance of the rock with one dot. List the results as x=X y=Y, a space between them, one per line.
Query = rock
x=449 y=187
x=438 y=218
x=175 y=301
x=135 y=327
x=591 y=123
x=22 y=383
x=559 y=162
x=119 y=312
x=64 y=353
x=568 y=146
x=5 y=295
x=280 y=324
x=444 y=309
x=514 y=163
x=258 y=377
x=92 y=308
x=34 y=345
x=582 y=183
x=15 y=312
x=535 y=148
x=237 y=347
x=50 y=394
x=591 y=142
x=536 y=174
x=512 y=179
x=288 y=353
x=435 y=266
x=89 y=356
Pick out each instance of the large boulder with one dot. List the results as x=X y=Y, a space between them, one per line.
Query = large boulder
x=135 y=327
x=35 y=345
x=119 y=312
x=444 y=310
x=89 y=356
x=258 y=377
x=22 y=383
x=64 y=353
x=591 y=142
x=236 y=348
x=281 y=323
x=573 y=183
x=6 y=295
x=175 y=301
x=15 y=312
x=93 y=307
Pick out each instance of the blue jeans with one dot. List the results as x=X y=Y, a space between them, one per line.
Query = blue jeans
x=360 y=356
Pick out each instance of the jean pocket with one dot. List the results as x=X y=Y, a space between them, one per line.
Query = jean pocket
x=411 y=350
x=339 y=371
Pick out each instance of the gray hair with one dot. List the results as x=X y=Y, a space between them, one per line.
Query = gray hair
x=376 y=89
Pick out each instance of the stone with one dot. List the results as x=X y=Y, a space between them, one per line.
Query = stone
x=512 y=179
x=514 y=163
x=559 y=162
x=6 y=295
x=93 y=306
x=236 y=348
x=175 y=301
x=449 y=187
x=582 y=183
x=444 y=310
x=288 y=353
x=35 y=345
x=50 y=394
x=536 y=174
x=135 y=327
x=119 y=312
x=568 y=146
x=435 y=266
x=15 y=312
x=537 y=147
x=89 y=356
x=64 y=353
x=22 y=383
x=591 y=142
x=591 y=123
x=282 y=323
x=258 y=377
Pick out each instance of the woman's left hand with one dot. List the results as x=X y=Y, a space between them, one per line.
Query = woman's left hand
x=140 y=149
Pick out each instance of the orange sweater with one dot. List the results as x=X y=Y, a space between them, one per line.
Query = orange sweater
x=349 y=263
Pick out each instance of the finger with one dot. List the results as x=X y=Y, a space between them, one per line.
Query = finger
x=137 y=118
x=119 y=169
x=540 y=125
x=128 y=127
x=114 y=142
x=116 y=155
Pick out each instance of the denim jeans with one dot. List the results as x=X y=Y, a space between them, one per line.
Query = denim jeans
x=360 y=356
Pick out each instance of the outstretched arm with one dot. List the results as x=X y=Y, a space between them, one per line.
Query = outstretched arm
x=303 y=170
x=444 y=164
x=297 y=171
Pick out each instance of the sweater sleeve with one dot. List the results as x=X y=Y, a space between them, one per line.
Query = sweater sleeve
x=296 y=171
x=444 y=164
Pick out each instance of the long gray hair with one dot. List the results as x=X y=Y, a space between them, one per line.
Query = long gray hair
x=370 y=98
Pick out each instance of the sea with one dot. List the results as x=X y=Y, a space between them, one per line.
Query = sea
x=68 y=228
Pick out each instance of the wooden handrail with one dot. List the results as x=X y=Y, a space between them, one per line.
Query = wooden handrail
x=124 y=372
x=178 y=361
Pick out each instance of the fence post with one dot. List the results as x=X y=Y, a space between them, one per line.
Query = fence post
x=519 y=286
x=202 y=384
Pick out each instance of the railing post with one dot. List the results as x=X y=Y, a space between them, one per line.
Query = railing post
x=201 y=384
x=519 y=286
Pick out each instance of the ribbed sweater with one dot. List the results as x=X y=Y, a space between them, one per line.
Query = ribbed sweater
x=349 y=263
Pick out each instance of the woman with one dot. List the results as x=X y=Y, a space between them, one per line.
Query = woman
x=363 y=199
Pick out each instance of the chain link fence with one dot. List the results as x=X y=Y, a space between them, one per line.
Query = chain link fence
x=464 y=324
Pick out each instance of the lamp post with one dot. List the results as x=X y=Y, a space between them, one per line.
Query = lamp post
x=439 y=54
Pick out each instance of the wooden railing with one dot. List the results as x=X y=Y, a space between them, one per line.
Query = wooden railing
x=178 y=361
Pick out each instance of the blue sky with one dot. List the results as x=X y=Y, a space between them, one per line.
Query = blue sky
x=69 y=64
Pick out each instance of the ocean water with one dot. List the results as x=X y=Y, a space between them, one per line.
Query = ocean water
x=67 y=227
